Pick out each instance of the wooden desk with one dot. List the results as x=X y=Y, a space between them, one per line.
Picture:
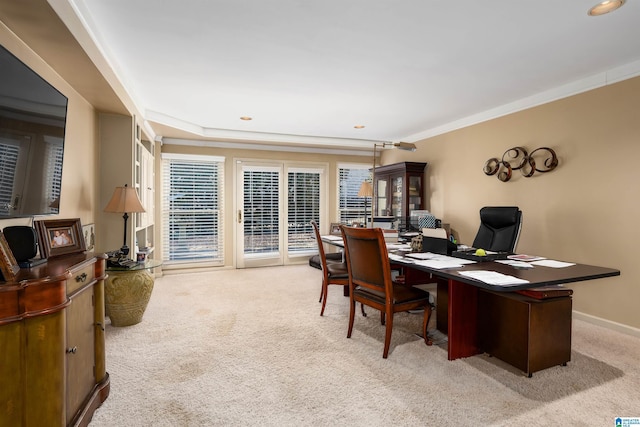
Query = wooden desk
x=459 y=297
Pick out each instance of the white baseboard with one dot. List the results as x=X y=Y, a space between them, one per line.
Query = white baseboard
x=609 y=324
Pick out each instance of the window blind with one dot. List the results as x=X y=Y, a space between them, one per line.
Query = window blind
x=192 y=209
x=261 y=210
x=351 y=207
x=303 y=206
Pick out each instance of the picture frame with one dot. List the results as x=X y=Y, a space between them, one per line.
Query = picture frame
x=89 y=234
x=8 y=265
x=59 y=237
x=334 y=229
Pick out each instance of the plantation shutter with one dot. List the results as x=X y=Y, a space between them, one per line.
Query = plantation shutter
x=192 y=208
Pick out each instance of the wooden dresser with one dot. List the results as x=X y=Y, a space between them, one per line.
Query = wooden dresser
x=52 y=351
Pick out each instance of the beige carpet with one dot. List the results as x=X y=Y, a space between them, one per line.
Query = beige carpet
x=248 y=347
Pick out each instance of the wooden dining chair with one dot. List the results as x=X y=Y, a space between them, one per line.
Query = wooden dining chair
x=333 y=273
x=370 y=282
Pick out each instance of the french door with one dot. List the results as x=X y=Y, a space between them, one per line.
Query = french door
x=275 y=203
x=259 y=221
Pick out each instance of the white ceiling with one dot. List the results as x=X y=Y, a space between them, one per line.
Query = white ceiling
x=405 y=69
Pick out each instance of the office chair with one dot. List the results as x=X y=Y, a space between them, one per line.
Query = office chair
x=499 y=228
x=370 y=282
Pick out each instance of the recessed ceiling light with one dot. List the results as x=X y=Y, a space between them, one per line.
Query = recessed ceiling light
x=359 y=126
x=246 y=118
x=605 y=7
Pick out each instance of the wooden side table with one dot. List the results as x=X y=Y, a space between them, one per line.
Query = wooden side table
x=128 y=291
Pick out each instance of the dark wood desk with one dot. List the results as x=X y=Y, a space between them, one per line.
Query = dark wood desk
x=459 y=308
x=461 y=295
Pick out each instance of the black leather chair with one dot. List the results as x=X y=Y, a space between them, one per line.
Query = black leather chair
x=499 y=228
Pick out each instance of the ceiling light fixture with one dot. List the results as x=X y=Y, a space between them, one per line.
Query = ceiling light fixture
x=359 y=126
x=246 y=118
x=605 y=7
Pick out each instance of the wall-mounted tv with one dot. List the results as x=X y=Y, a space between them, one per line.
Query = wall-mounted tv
x=32 y=128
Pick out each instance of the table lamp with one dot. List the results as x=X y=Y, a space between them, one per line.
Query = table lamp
x=124 y=200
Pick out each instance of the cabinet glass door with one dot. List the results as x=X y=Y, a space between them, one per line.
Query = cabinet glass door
x=414 y=194
x=381 y=198
x=396 y=196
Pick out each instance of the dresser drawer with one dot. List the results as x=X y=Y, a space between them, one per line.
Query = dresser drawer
x=80 y=277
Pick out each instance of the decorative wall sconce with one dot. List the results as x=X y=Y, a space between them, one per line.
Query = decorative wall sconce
x=518 y=158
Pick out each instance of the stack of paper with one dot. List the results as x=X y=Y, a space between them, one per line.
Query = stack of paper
x=493 y=278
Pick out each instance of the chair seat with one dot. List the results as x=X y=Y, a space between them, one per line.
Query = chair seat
x=314 y=261
x=401 y=294
x=337 y=270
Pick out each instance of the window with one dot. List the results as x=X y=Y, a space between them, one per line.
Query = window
x=192 y=208
x=351 y=207
x=303 y=206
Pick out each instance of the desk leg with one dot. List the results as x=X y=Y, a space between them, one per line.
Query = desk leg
x=462 y=320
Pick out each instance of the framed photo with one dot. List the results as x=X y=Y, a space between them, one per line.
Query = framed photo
x=59 y=237
x=89 y=234
x=8 y=265
x=335 y=229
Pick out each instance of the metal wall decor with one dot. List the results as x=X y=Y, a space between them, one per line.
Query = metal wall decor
x=518 y=158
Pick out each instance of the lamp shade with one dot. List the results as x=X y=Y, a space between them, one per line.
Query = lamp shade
x=125 y=199
x=366 y=189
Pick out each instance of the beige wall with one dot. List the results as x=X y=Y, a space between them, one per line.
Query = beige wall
x=584 y=211
x=79 y=176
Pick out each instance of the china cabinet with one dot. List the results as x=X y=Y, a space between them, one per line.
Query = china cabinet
x=399 y=190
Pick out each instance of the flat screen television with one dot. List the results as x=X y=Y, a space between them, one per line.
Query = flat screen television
x=33 y=117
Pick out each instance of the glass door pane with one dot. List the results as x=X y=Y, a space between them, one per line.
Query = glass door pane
x=259 y=218
x=396 y=196
x=414 y=194
x=381 y=198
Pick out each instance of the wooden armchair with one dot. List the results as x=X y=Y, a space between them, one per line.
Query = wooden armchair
x=370 y=282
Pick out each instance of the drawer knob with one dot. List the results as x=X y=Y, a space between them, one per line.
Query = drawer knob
x=72 y=350
x=81 y=278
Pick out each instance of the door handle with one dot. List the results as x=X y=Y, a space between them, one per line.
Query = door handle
x=239 y=216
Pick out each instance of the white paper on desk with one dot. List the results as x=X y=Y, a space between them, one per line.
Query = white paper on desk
x=553 y=264
x=440 y=264
x=516 y=264
x=398 y=246
x=493 y=278
x=443 y=260
x=331 y=237
x=399 y=258
x=423 y=255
